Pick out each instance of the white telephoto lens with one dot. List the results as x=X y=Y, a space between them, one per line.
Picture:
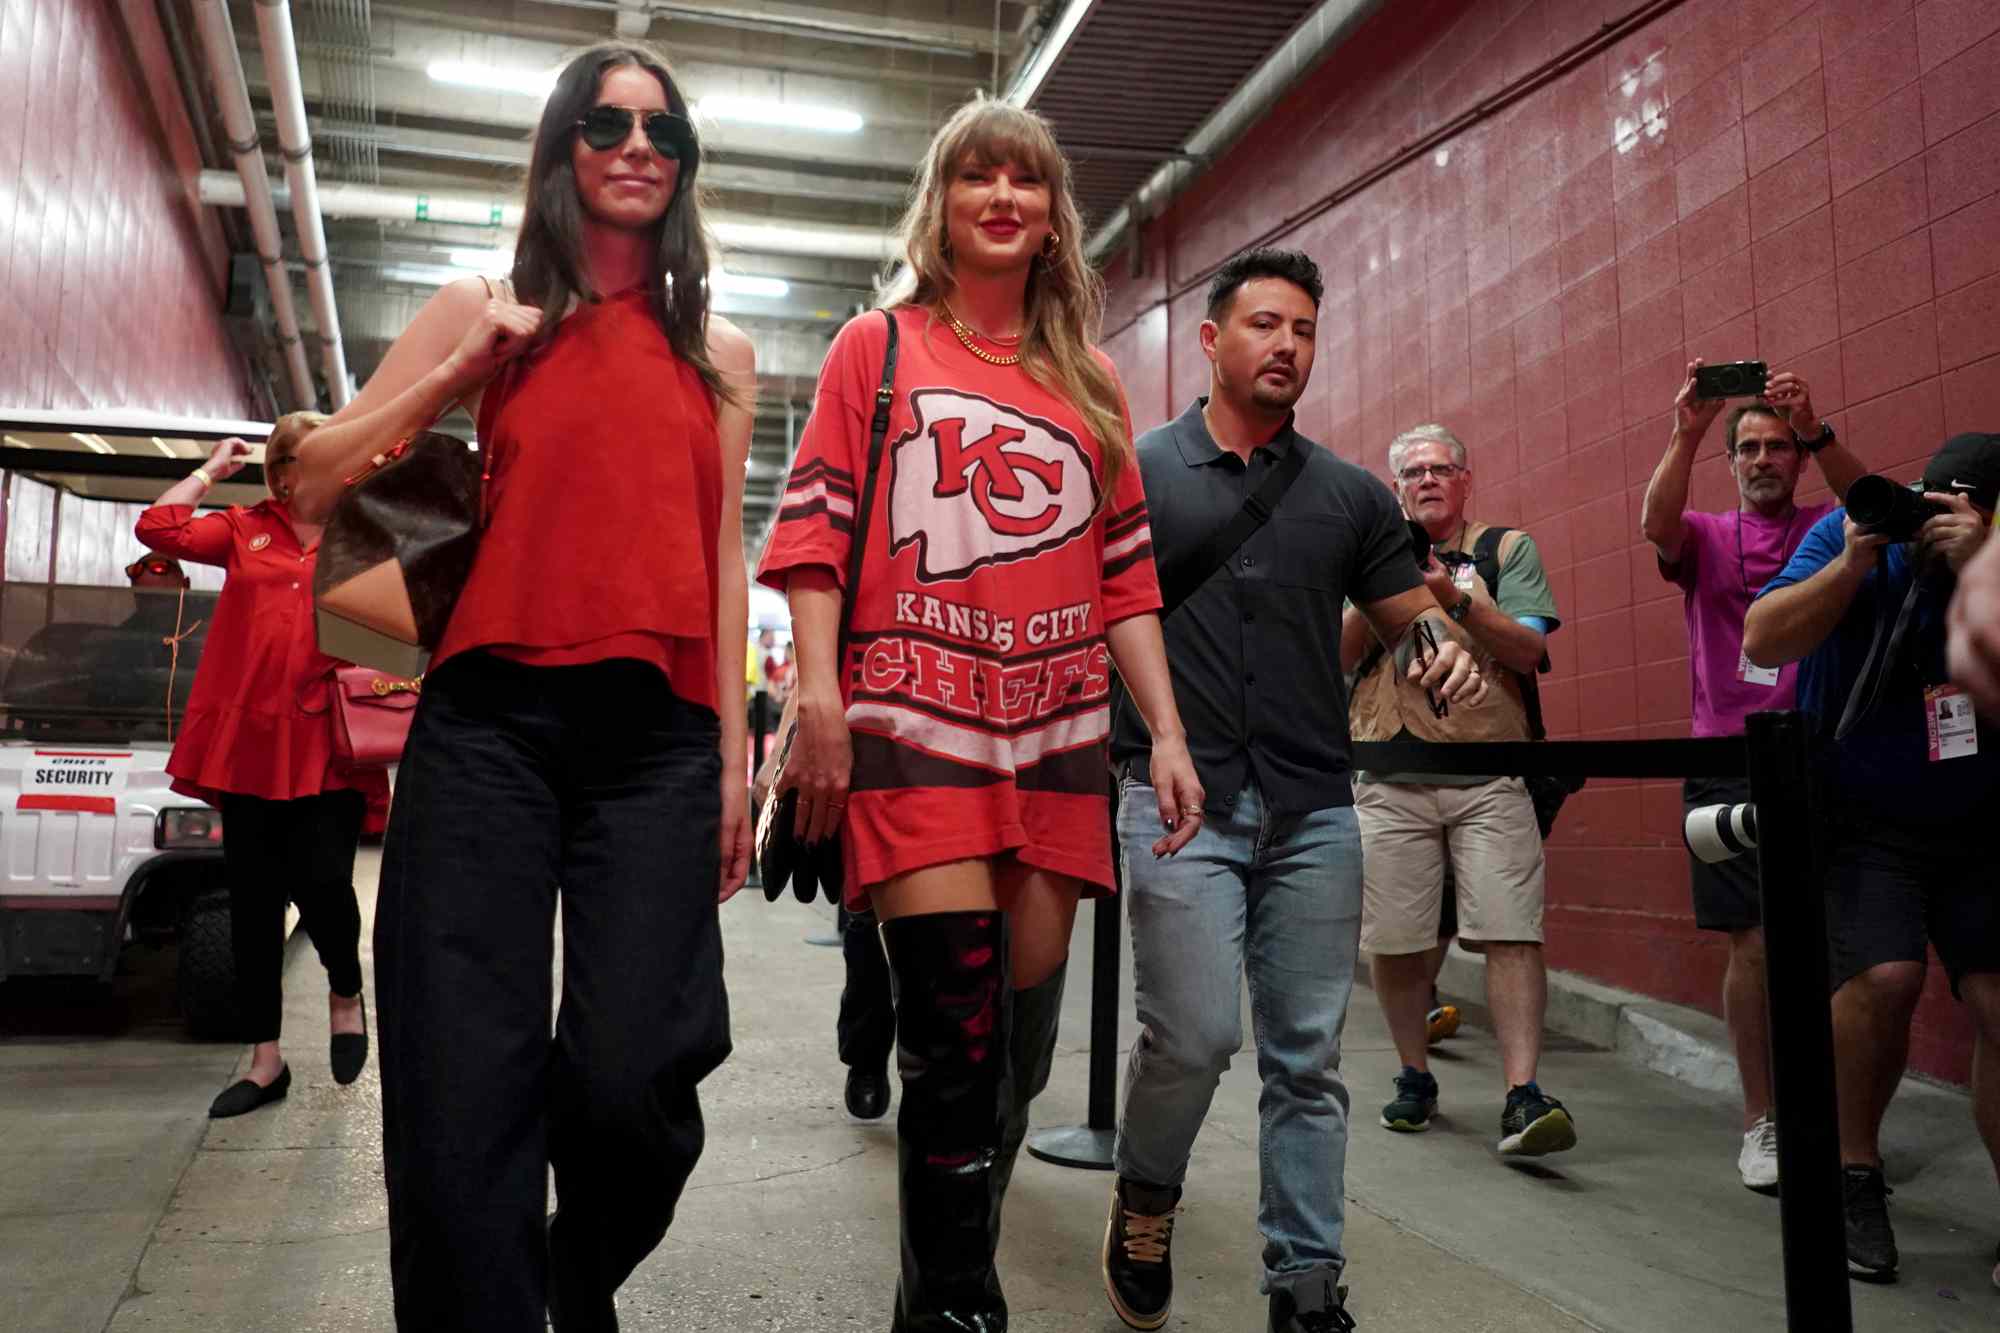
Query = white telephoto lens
x=1718 y=833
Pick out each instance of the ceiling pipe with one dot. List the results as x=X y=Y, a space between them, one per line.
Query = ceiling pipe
x=232 y=96
x=1316 y=37
x=281 y=68
x=383 y=203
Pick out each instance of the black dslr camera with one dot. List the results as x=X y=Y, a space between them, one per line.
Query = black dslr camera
x=1877 y=504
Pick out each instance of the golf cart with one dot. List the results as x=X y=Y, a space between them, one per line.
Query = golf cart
x=99 y=854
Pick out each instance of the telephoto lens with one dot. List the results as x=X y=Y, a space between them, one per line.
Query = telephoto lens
x=1879 y=505
x=1717 y=833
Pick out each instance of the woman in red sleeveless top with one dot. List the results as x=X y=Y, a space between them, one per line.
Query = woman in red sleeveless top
x=961 y=746
x=257 y=743
x=581 y=729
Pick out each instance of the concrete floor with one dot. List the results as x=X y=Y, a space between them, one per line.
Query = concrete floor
x=122 y=1208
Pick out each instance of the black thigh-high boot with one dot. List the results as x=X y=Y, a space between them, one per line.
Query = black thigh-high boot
x=1031 y=1051
x=951 y=1049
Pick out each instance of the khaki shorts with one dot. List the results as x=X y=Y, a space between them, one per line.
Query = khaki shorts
x=1496 y=857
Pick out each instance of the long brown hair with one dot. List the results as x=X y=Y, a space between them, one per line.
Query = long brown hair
x=549 y=269
x=1065 y=297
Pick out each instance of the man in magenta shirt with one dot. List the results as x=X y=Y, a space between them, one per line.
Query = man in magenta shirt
x=1720 y=561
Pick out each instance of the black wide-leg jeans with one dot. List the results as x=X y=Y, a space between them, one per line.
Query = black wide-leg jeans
x=301 y=850
x=596 y=787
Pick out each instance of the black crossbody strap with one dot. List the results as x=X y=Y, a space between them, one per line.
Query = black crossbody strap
x=878 y=431
x=1179 y=582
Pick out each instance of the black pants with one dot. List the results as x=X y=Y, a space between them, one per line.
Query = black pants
x=519 y=779
x=301 y=851
x=866 y=1029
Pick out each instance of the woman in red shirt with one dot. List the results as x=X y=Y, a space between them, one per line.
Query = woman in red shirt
x=569 y=733
x=961 y=746
x=257 y=743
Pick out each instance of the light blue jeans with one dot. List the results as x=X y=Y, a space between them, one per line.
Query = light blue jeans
x=1277 y=896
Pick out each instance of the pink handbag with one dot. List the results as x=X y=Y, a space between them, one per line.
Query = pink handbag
x=372 y=711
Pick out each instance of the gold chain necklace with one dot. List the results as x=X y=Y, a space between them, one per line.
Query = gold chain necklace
x=965 y=333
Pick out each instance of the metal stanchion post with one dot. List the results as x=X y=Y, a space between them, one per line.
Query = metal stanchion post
x=1795 y=947
x=1088 y=1146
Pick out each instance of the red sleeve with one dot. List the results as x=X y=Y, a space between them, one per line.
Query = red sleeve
x=816 y=513
x=174 y=530
x=1131 y=583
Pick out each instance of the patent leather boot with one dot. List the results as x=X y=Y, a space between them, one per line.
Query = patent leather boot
x=1031 y=1052
x=951 y=1049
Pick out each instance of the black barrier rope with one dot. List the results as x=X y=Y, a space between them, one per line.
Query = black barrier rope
x=1774 y=755
x=1708 y=757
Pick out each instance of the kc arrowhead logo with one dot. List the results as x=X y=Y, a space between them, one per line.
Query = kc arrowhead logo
x=977 y=482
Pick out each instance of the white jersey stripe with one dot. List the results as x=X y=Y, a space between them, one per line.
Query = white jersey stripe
x=1132 y=541
x=836 y=503
x=1002 y=754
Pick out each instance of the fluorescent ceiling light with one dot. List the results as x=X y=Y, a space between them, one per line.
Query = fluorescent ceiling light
x=748 y=284
x=92 y=441
x=164 y=447
x=780 y=115
x=484 y=261
x=421 y=275
x=13 y=443
x=526 y=82
x=1029 y=82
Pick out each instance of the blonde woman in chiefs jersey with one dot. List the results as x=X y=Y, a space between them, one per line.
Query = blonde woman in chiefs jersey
x=960 y=747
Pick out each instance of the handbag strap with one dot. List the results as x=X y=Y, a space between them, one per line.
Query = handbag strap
x=878 y=431
x=1178 y=582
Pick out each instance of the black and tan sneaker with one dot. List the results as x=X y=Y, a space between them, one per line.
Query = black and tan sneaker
x=1535 y=1124
x=1416 y=1102
x=1138 y=1252
x=1871 y=1243
x=1302 y=1311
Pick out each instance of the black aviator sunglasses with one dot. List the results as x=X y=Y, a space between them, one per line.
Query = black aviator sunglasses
x=672 y=137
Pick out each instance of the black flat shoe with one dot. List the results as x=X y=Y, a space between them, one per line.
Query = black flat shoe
x=867 y=1093
x=349 y=1051
x=244 y=1096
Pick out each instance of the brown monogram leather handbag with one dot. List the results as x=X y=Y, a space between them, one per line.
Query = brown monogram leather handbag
x=396 y=553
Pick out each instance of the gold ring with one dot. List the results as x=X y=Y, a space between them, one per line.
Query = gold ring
x=1193 y=812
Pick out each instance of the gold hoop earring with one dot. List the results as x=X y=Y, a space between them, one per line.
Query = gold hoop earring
x=1051 y=246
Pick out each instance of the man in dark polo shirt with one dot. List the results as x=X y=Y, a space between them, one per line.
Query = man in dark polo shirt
x=1271 y=885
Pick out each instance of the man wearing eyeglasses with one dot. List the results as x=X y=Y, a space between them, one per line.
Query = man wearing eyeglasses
x=1719 y=561
x=1483 y=830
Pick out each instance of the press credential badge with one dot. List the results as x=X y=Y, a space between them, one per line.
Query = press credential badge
x=1751 y=674
x=1954 y=731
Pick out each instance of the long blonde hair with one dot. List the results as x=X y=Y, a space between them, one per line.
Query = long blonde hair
x=1065 y=297
x=288 y=432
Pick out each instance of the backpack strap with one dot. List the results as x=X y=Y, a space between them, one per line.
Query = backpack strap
x=1490 y=550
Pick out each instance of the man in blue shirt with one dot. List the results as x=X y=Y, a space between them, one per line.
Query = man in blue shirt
x=1906 y=777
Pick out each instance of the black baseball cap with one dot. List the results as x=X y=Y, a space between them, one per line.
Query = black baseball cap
x=1967 y=465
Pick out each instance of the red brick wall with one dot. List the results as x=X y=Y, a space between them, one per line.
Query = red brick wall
x=112 y=278
x=1815 y=185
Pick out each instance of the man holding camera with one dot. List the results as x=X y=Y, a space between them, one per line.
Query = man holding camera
x=1719 y=561
x=1491 y=585
x=1906 y=777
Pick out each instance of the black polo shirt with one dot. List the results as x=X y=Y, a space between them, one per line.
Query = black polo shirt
x=1255 y=651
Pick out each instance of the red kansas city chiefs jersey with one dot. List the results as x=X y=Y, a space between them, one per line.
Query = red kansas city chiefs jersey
x=977 y=677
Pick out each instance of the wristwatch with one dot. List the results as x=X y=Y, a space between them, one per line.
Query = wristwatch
x=1817 y=442
x=1460 y=609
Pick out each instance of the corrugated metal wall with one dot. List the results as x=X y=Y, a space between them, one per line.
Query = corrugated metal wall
x=111 y=289
x=1813 y=184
